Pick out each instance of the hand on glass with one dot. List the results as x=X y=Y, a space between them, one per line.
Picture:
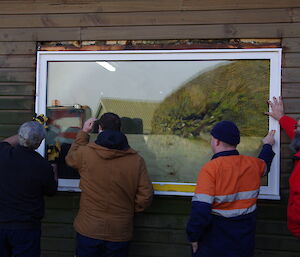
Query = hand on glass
x=88 y=125
x=269 y=139
x=277 y=110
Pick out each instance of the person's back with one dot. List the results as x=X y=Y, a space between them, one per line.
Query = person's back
x=114 y=185
x=235 y=174
x=109 y=182
x=25 y=178
x=223 y=216
x=237 y=181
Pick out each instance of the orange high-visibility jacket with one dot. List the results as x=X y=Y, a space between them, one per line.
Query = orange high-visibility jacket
x=223 y=216
x=231 y=184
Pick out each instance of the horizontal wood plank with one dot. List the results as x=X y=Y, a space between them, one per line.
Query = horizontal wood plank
x=8 y=130
x=46 y=253
x=40 y=34
x=17 y=47
x=16 y=61
x=291 y=75
x=272 y=227
x=59 y=216
x=286 y=152
x=292 y=105
x=291 y=44
x=17 y=75
x=57 y=244
x=16 y=89
x=284 y=181
x=168 y=221
x=15 y=117
x=62 y=6
x=275 y=242
x=63 y=200
x=267 y=253
x=291 y=60
x=16 y=103
x=276 y=30
x=273 y=210
x=286 y=166
x=291 y=90
x=138 y=249
x=168 y=204
x=160 y=236
x=295 y=14
x=284 y=195
x=146 y=18
x=58 y=230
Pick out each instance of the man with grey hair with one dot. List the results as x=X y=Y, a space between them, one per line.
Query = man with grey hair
x=31 y=134
x=25 y=177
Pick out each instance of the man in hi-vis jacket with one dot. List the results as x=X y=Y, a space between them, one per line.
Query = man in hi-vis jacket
x=223 y=215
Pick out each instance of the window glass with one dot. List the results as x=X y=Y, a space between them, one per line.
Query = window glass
x=167 y=108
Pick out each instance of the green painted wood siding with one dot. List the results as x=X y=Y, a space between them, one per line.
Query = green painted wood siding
x=160 y=230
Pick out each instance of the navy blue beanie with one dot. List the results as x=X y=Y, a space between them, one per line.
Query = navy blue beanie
x=226 y=131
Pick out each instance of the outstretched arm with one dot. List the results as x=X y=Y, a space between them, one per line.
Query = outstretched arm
x=73 y=158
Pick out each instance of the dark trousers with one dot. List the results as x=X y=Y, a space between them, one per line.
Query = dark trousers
x=20 y=242
x=90 y=247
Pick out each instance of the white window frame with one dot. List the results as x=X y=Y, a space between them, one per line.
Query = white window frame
x=274 y=55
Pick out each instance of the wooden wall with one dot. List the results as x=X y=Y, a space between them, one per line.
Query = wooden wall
x=160 y=231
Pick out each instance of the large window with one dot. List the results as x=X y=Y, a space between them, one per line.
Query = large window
x=168 y=102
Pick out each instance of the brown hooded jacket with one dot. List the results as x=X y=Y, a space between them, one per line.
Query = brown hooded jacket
x=114 y=185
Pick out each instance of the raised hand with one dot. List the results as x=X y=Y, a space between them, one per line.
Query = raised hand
x=88 y=125
x=269 y=139
x=277 y=110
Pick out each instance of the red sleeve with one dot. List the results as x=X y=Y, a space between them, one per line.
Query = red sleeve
x=294 y=202
x=288 y=124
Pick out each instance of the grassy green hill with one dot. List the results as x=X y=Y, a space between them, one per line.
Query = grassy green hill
x=236 y=91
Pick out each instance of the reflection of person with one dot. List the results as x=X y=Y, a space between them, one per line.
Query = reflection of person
x=25 y=178
x=114 y=185
x=222 y=220
x=292 y=128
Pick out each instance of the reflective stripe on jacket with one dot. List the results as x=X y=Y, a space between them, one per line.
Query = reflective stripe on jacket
x=230 y=184
x=223 y=216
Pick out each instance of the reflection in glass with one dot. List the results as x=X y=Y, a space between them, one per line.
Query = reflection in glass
x=167 y=108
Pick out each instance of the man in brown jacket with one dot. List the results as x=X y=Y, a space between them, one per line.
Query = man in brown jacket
x=114 y=185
